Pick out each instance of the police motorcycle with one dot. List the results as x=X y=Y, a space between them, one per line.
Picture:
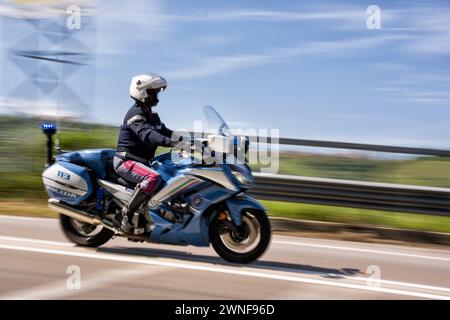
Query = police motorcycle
x=201 y=200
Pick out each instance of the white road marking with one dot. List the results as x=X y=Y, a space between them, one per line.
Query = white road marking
x=37 y=241
x=241 y=272
x=40 y=219
x=380 y=281
x=410 y=255
x=58 y=289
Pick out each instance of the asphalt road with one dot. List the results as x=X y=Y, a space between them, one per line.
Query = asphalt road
x=37 y=262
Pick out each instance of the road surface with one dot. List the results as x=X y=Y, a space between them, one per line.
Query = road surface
x=37 y=262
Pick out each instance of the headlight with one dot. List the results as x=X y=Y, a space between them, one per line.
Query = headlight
x=240 y=177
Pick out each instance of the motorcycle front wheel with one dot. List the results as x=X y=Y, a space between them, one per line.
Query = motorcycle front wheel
x=245 y=244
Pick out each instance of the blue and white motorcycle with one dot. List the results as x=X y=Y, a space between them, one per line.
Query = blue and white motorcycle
x=200 y=202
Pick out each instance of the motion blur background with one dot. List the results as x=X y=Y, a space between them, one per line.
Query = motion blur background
x=312 y=69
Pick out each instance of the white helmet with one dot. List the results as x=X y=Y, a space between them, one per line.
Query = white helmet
x=140 y=84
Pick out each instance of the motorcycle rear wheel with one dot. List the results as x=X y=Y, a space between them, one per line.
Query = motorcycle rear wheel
x=247 y=246
x=84 y=234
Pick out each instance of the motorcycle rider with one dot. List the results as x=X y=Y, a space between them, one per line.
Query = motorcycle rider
x=140 y=134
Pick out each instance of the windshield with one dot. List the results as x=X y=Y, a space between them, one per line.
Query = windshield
x=215 y=122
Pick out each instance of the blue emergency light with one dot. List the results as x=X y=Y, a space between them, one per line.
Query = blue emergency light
x=48 y=128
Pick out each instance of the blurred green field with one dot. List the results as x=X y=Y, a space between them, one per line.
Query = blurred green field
x=22 y=156
x=22 y=152
x=358 y=216
x=422 y=171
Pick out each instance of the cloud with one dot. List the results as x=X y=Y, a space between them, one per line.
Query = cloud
x=120 y=26
x=51 y=9
x=436 y=34
x=414 y=93
x=392 y=89
x=123 y=27
x=220 y=64
x=430 y=26
x=35 y=108
x=410 y=77
x=364 y=117
x=148 y=21
x=265 y=15
x=412 y=85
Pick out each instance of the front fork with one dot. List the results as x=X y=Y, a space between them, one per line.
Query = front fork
x=231 y=214
x=238 y=204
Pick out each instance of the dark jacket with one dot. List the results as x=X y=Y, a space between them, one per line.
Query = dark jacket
x=142 y=132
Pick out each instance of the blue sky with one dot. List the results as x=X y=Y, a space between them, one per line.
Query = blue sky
x=309 y=68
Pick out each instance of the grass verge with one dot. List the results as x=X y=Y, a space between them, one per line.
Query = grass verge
x=35 y=208
x=409 y=221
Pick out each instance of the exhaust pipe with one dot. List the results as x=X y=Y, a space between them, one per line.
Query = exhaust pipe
x=82 y=216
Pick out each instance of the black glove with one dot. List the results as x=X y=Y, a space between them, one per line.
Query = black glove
x=170 y=143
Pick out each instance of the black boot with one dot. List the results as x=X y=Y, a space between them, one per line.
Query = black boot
x=137 y=198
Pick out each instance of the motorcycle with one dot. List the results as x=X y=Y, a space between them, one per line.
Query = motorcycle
x=198 y=203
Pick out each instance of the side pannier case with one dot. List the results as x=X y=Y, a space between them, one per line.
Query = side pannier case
x=67 y=182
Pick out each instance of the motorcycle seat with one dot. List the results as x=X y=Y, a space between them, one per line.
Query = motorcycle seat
x=112 y=176
x=100 y=161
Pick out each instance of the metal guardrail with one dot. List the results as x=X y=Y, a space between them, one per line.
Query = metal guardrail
x=356 y=194
x=362 y=146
